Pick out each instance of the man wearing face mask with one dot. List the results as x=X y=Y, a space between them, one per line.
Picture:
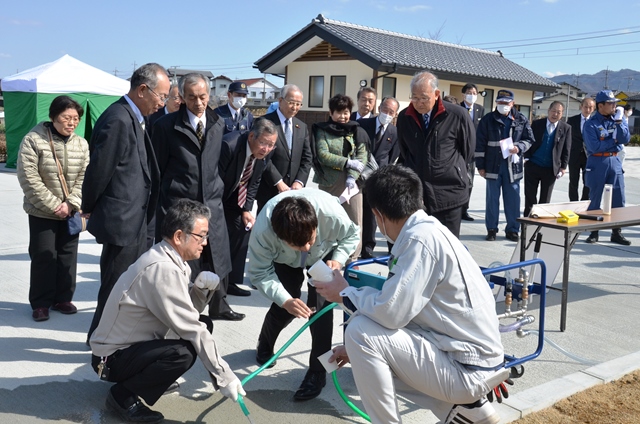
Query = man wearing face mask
x=604 y=136
x=385 y=150
x=437 y=140
x=236 y=116
x=502 y=174
x=476 y=112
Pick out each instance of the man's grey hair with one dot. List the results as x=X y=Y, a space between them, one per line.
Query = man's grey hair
x=586 y=99
x=366 y=90
x=393 y=99
x=262 y=126
x=289 y=88
x=191 y=79
x=173 y=85
x=424 y=76
x=147 y=74
x=183 y=216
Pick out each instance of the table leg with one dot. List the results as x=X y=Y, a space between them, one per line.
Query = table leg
x=565 y=281
x=523 y=242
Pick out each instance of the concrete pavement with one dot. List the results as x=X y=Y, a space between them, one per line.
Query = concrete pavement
x=45 y=376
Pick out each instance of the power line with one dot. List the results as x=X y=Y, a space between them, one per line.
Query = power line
x=577 y=54
x=567 y=49
x=552 y=37
x=560 y=41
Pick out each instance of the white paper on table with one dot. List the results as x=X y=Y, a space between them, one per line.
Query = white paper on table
x=551 y=210
x=348 y=193
x=505 y=145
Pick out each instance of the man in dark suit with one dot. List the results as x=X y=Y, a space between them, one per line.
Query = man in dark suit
x=476 y=112
x=243 y=159
x=548 y=156
x=187 y=145
x=291 y=160
x=117 y=189
x=385 y=150
x=366 y=99
x=236 y=116
x=578 y=155
x=173 y=104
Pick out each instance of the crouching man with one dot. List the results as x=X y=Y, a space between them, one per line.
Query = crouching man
x=431 y=334
x=152 y=297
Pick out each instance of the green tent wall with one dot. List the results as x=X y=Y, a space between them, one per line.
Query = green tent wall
x=24 y=110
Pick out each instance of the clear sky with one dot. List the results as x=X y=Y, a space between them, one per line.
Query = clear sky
x=228 y=37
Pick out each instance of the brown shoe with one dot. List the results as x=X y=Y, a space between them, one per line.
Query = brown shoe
x=66 y=308
x=40 y=314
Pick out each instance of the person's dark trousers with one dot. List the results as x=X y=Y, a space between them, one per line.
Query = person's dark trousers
x=576 y=168
x=278 y=318
x=114 y=261
x=54 y=258
x=238 y=245
x=451 y=218
x=368 y=228
x=151 y=232
x=147 y=369
x=536 y=176
x=471 y=170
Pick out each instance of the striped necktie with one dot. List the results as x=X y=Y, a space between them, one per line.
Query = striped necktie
x=244 y=180
x=288 y=133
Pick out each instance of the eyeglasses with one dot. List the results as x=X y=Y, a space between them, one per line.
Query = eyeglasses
x=162 y=98
x=202 y=238
x=420 y=99
x=292 y=103
x=65 y=118
x=267 y=145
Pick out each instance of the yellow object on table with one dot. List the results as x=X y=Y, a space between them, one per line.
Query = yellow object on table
x=567 y=217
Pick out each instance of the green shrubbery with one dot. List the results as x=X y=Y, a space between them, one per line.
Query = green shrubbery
x=635 y=140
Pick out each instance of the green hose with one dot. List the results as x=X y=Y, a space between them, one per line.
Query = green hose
x=313 y=319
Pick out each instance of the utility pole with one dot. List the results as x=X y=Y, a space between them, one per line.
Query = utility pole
x=115 y=72
x=629 y=79
x=606 y=79
x=134 y=66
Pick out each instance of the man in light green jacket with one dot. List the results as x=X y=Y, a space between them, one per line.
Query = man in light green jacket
x=294 y=230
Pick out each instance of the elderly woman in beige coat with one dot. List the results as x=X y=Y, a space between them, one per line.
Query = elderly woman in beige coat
x=53 y=251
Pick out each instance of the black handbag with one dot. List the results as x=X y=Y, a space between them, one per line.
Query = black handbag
x=371 y=166
x=75 y=222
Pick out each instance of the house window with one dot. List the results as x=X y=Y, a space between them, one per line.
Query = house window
x=253 y=94
x=338 y=85
x=316 y=91
x=388 y=87
x=525 y=110
x=223 y=85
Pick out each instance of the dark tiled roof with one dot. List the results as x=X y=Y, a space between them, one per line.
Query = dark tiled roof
x=382 y=50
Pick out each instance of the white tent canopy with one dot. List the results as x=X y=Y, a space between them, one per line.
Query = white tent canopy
x=66 y=75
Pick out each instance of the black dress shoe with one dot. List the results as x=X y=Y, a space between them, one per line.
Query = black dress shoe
x=513 y=236
x=234 y=290
x=40 y=314
x=262 y=358
x=136 y=413
x=617 y=237
x=491 y=235
x=366 y=254
x=467 y=217
x=228 y=316
x=312 y=385
x=593 y=237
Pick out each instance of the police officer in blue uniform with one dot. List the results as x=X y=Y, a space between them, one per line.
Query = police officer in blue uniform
x=604 y=135
x=236 y=116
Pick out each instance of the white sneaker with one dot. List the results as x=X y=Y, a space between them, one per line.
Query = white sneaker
x=480 y=412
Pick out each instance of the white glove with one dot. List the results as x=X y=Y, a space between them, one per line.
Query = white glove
x=207 y=280
x=355 y=164
x=350 y=183
x=232 y=390
x=619 y=114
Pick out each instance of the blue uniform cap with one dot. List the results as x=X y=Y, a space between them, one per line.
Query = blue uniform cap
x=505 y=96
x=238 y=87
x=606 y=96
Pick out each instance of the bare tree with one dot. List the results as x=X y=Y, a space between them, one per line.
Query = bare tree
x=437 y=34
